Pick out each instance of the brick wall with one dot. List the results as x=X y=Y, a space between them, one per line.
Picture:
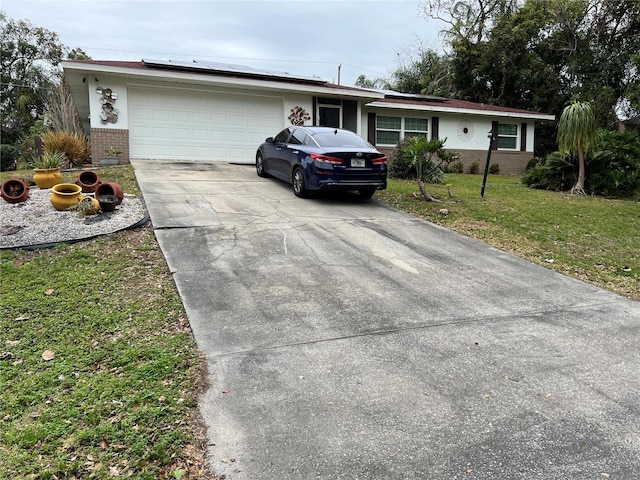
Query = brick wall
x=103 y=138
x=511 y=163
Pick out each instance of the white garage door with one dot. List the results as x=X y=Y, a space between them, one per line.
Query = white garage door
x=200 y=126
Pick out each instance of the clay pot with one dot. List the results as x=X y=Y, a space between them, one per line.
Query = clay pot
x=65 y=195
x=15 y=191
x=47 y=177
x=110 y=188
x=108 y=202
x=88 y=181
x=89 y=205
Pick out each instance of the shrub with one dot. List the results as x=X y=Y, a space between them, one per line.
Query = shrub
x=399 y=166
x=494 y=169
x=474 y=168
x=613 y=170
x=74 y=146
x=534 y=162
x=456 y=167
x=8 y=156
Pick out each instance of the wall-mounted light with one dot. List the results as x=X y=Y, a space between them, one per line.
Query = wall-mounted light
x=96 y=80
x=84 y=79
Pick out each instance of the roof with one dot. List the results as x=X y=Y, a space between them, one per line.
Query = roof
x=240 y=76
x=452 y=105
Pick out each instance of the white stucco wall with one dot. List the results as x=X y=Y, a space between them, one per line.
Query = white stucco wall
x=117 y=86
x=292 y=102
x=452 y=127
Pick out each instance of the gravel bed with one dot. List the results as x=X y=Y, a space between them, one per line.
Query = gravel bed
x=35 y=223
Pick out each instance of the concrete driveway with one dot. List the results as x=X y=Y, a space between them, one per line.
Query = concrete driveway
x=347 y=340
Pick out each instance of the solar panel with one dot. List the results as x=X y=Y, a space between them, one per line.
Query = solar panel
x=240 y=70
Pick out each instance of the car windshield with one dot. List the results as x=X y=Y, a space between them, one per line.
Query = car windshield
x=340 y=139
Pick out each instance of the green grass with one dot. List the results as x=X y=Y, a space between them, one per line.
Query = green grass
x=591 y=238
x=120 y=397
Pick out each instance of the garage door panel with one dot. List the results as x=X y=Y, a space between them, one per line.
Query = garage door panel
x=168 y=124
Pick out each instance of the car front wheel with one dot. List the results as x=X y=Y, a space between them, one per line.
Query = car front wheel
x=297 y=181
x=260 y=166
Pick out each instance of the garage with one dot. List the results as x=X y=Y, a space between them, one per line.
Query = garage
x=200 y=125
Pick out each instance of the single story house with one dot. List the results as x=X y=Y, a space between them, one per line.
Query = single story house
x=207 y=112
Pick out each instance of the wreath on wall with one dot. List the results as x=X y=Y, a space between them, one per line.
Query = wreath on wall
x=298 y=116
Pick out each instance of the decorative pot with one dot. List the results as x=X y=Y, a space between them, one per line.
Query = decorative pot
x=15 y=191
x=108 y=202
x=89 y=205
x=47 y=177
x=108 y=162
x=88 y=181
x=65 y=195
x=110 y=188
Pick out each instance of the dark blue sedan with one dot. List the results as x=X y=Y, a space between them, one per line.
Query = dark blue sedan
x=322 y=158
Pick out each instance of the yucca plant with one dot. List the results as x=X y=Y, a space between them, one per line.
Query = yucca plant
x=74 y=146
x=50 y=160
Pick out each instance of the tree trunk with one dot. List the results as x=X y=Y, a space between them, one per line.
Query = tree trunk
x=578 y=188
x=427 y=196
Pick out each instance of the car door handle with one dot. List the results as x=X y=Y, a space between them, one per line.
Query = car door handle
x=278 y=148
x=296 y=152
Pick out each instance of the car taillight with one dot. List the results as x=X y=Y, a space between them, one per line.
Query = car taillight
x=379 y=160
x=326 y=159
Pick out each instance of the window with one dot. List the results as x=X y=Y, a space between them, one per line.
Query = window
x=298 y=138
x=329 y=112
x=389 y=130
x=507 y=136
x=416 y=127
x=283 y=136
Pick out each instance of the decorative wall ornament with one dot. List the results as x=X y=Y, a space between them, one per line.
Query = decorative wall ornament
x=465 y=131
x=108 y=97
x=298 y=115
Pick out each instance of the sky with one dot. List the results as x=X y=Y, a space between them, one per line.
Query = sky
x=303 y=37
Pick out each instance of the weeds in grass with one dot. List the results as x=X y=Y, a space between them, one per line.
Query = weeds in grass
x=119 y=397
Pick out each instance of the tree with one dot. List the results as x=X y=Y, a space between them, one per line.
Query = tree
x=364 y=82
x=577 y=133
x=425 y=72
x=30 y=58
x=536 y=55
x=470 y=20
x=421 y=154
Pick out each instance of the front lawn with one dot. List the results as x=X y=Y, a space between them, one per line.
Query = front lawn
x=99 y=371
x=591 y=238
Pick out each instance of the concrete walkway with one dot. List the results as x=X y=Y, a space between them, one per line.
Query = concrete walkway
x=348 y=340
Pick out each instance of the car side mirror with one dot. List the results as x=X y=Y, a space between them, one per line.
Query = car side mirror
x=269 y=140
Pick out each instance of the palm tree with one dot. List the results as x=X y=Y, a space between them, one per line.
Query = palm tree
x=577 y=131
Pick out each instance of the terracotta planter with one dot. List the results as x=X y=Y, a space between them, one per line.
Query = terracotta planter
x=65 y=195
x=88 y=181
x=47 y=177
x=89 y=205
x=15 y=191
x=110 y=188
x=108 y=202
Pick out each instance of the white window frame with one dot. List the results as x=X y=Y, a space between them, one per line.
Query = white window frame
x=516 y=137
x=402 y=131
